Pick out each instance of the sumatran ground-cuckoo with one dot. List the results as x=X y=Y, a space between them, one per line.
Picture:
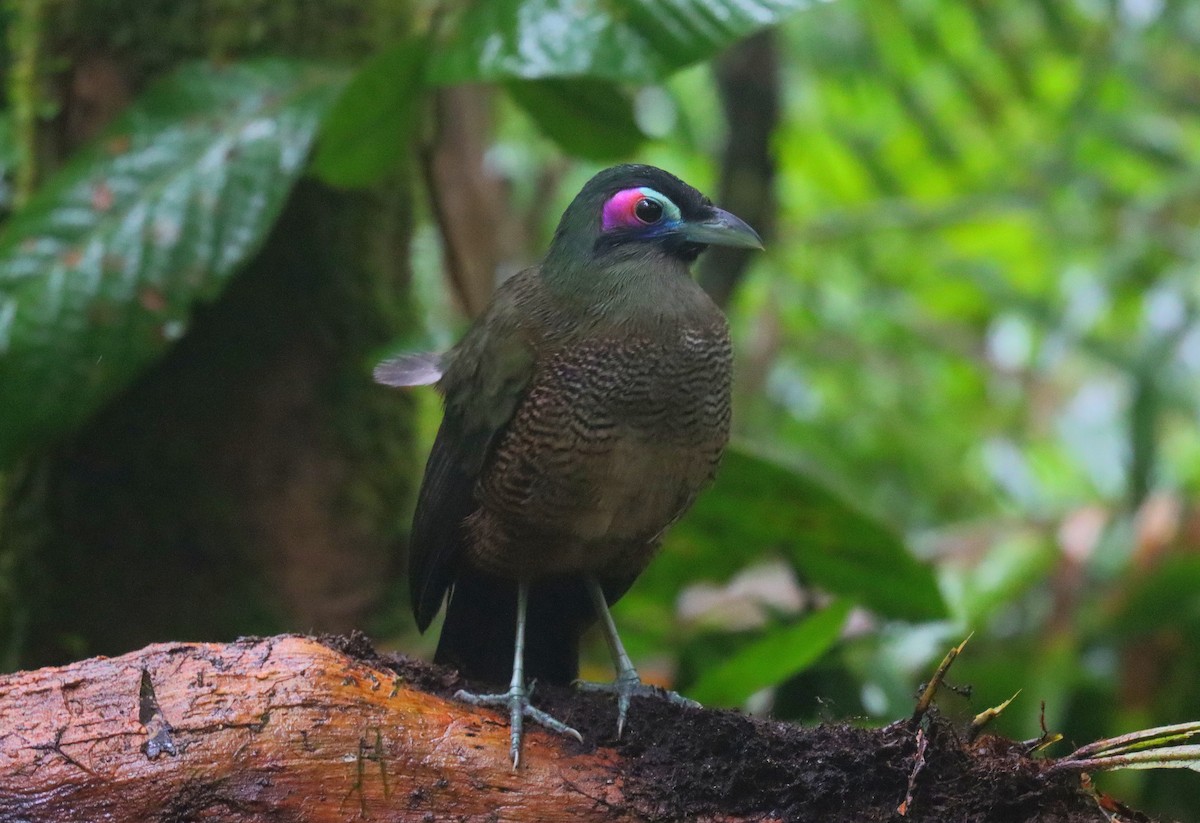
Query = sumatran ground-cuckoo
x=584 y=411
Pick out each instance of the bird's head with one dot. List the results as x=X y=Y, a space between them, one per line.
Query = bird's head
x=642 y=211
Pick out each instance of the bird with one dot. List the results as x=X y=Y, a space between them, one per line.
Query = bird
x=584 y=410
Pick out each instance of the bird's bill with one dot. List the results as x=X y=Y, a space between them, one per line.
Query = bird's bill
x=723 y=229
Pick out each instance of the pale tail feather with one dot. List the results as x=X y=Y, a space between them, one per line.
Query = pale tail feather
x=421 y=369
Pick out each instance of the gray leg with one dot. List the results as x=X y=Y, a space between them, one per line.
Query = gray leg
x=516 y=699
x=627 y=683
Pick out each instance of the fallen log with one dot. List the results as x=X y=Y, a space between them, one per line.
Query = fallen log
x=299 y=729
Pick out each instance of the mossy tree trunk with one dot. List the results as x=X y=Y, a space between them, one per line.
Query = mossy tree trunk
x=255 y=479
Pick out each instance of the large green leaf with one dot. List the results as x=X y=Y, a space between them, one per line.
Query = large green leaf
x=588 y=118
x=630 y=40
x=1176 y=582
x=758 y=505
x=366 y=133
x=99 y=271
x=778 y=654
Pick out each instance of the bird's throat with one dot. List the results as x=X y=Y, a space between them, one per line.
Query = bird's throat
x=640 y=293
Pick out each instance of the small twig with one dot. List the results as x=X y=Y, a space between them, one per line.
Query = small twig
x=1144 y=749
x=1046 y=740
x=935 y=682
x=1183 y=756
x=918 y=764
x=1145 y=737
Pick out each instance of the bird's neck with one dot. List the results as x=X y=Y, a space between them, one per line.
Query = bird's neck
x=642 y=293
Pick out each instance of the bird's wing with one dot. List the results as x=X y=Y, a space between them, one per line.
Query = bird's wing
x=486 y=376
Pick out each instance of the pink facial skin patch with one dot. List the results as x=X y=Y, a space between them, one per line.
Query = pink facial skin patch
x=619 y=210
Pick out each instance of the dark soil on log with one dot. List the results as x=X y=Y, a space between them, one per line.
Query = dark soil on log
x=687 y=763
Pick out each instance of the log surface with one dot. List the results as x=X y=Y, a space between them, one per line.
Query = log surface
x=278 y=729
x=293 y=729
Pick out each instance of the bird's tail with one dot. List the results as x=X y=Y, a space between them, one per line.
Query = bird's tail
x=480 y=629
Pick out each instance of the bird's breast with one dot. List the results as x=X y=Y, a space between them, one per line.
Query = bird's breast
x=611 y=443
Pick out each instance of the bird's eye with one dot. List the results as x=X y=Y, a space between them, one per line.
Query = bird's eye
x=648 y=211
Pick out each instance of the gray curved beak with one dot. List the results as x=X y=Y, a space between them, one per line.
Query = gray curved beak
x=723 y=229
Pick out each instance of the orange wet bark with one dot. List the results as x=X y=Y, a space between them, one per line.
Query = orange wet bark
x=276 y=729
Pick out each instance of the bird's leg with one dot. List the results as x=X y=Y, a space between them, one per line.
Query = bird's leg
x=627 y=683
x=516 y=699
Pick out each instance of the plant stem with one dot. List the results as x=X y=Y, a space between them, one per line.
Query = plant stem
x=25 y=37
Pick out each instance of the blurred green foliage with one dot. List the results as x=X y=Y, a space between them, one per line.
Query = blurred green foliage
x=98 y=271
x=970 y=362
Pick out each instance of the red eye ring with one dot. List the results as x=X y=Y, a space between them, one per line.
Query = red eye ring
x=648 y=211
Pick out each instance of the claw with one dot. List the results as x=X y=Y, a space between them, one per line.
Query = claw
x=516 y=701
x=628 y=687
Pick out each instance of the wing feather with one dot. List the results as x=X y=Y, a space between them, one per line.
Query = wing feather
x=446 y=499
x=486 y=375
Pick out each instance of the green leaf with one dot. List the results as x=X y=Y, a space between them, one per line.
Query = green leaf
x=366 y=133
x=631 y=40
x=588 y=118
x=780 y=653
x=99 y=272
x=1175 y=581
x=757 y=505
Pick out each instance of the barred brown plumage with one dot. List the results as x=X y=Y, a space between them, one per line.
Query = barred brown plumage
x=612 y=442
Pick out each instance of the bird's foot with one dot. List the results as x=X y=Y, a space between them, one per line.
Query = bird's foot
x=516 y=700
x=626 y=687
